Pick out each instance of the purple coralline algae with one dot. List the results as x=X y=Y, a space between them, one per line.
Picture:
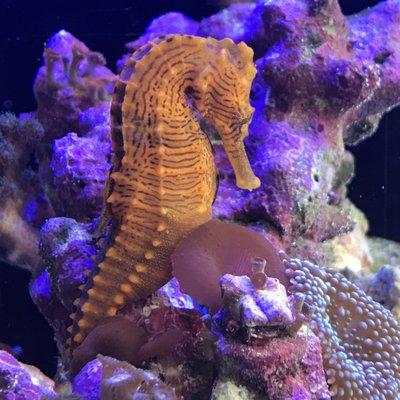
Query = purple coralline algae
x=230 y=22
x=258 y=346
x=72 y=80
x=384 y=288
x=311 y=80
x=66 y=249
x=160 y=337
x=111 y=379
x=23 y=382
x=170 y=23
x=80 y=169
x=23 y=202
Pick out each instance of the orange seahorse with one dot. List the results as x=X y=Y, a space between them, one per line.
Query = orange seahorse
x=163 y=178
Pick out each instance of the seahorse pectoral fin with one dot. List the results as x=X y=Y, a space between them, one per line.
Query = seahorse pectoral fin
x=245 y=178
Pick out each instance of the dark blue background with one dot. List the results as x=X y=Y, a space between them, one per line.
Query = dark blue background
x=105 y=26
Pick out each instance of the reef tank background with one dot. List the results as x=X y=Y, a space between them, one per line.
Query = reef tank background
x=329 y=232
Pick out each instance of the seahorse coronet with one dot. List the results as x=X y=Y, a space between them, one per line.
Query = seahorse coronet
x=163 y=178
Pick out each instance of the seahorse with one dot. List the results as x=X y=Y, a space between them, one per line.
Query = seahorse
x=163 y=178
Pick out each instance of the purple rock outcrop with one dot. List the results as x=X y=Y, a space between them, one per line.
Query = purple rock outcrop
x=72 y=80
x=66 y=250
x=230 y=22
x=24 y=204
x=169 y=23
x=108 y=378
x=319 y=83
x=22 y=382
x=80 y=169
x=264 y=343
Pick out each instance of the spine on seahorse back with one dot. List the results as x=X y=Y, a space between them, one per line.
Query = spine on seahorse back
x=163 y=177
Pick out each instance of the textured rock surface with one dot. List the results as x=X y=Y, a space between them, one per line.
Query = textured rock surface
x=107 y=378
x=169 y=23
x=384 y=288
x=179 y=345
x=66 y=249
x=264 y=344
x=172 y=22
x=383 y=252
x=225 y=389
x=230 y=22
x=80 y=169
x=72 y=80
x=350 y=251
x=23 y=202
x=319 y=77
x=22 y=382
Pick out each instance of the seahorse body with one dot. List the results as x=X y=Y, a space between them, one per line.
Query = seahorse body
x=163 y=178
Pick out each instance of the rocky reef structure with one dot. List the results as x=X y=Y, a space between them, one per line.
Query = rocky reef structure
x=23 y=201
x=80 y=167
x=22 y=382
x=72 y=80
x=383 y=287
x=40 y=179
x=323 y=82
x=117 y=380
x=319 y=84
x=264 y=342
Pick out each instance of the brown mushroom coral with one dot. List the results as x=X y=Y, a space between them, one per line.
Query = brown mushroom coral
x=116 y=337
x=217 y=248
x=359 y=337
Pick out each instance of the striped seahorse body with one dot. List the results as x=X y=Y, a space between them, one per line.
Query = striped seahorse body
x=163 y=178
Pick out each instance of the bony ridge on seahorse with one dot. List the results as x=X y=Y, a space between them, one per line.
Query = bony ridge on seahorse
x=163 y=178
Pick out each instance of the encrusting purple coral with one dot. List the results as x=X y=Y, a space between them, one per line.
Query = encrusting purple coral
x=69 y=92
x=159 y=336
x=383 y=287
x=264 y=342
x=22 y=382
x=315 y=76
x=23 y=202
x=80 y=169
x=72 y=80
x=111 y=379
x=66 y=249
x=230 y=22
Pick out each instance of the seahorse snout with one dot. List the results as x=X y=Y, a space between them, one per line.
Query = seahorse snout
x=245 y=177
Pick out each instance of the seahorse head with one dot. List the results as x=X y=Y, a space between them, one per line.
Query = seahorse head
x=224 y=83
